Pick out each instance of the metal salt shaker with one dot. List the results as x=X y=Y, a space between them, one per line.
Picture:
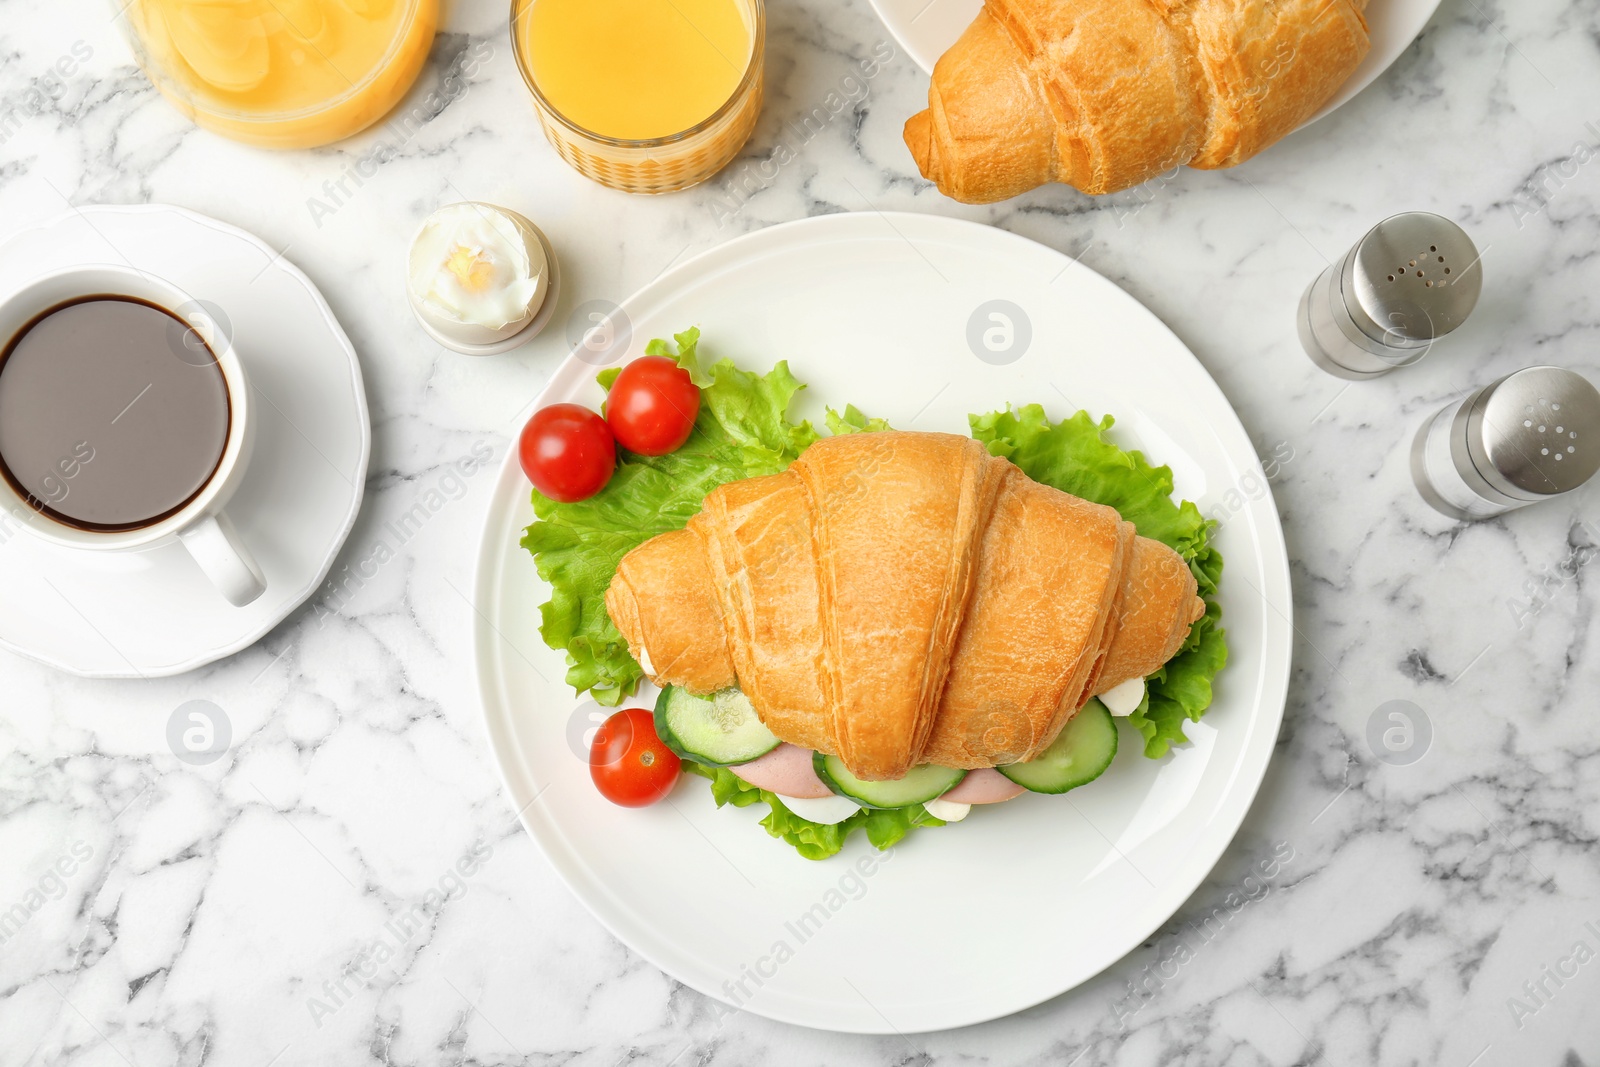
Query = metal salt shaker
x=1530 y=436
x=1412 y=279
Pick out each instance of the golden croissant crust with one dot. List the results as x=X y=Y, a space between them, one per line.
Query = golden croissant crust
x=1106 y=94
x=904 y=598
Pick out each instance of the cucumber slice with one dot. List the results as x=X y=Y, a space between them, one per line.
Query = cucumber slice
x=920 y=783
x=720 y=730
x=1079 y=754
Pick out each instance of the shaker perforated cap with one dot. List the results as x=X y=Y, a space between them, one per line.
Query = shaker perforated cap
x=1413 y=278
x=1536 y=433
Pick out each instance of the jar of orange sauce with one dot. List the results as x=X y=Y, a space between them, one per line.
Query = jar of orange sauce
x=647 y=96
x=282 y=73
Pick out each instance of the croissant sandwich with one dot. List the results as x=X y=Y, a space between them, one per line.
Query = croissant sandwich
x=1106 y=94
x=897 y=599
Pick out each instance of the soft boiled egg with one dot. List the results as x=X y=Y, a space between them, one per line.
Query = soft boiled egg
x=479 y=276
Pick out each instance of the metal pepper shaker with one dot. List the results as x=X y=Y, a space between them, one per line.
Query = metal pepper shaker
x=1412 y=279
x=1530 y=436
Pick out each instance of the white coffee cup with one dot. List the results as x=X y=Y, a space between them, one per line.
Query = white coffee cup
x=201 y=525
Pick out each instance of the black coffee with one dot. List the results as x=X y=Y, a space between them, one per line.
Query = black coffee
x=113 y=414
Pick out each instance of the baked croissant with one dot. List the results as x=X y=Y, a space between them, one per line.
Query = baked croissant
x=1106 y=94
x=896 y=599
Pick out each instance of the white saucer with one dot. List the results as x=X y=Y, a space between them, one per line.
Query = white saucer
x=149 y=614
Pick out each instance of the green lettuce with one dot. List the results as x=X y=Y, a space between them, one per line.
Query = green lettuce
x=853 y=421
x=744 y=431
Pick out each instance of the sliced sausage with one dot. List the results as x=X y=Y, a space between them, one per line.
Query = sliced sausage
x=786 y=771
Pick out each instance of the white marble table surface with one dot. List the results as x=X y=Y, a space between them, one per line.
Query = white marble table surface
x=1422 y=904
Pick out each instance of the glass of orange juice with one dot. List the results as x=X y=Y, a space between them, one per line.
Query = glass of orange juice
x=648 y=96
x=283 y=73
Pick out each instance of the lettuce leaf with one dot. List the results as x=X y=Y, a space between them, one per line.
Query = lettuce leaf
x=853 y=421
x=1074 y=456
x=885 y=827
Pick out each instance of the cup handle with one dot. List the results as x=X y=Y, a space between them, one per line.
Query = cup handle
x=216 y=547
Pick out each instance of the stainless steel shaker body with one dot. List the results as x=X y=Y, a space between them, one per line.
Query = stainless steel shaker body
x=1530 y=436
x=1412 y=279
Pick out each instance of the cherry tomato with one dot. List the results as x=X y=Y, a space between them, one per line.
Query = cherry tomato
x=652 y=406
x=629 y=764
x=567 y=452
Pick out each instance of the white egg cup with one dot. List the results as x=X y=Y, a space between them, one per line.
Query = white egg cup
x=470 y=339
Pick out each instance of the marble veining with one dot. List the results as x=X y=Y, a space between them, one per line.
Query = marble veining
x=347 y=884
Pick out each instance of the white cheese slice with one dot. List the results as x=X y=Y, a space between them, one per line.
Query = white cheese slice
x=825 y=811
x=1125 y=698
x=947 y=810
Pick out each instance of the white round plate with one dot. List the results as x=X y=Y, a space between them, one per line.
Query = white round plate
x=927 y=28
x=148 y=614
x=1020 y=902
